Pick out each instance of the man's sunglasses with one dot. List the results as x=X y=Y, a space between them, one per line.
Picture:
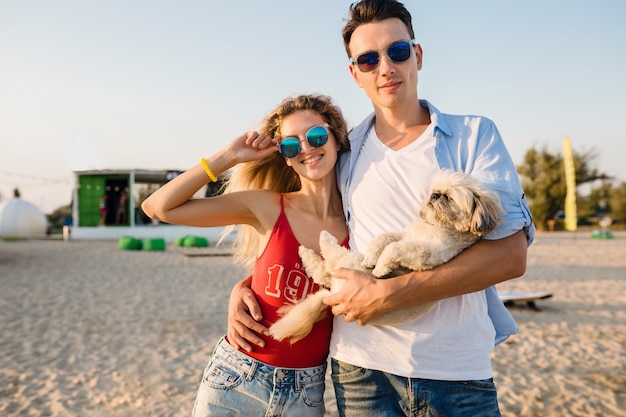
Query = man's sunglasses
x=397 y=52
x=316 y=136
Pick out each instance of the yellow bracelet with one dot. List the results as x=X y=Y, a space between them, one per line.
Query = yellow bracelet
x=208 y=171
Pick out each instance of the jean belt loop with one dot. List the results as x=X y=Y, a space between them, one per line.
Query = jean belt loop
x=251 y=369
x=297 y=382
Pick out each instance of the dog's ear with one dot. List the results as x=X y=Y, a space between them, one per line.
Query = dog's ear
x=486 y=215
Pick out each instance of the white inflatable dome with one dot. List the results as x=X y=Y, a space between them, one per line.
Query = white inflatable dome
x=19 y=218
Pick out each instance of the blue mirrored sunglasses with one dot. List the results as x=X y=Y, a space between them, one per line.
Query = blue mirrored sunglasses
x=316 y=136
x=397 y=52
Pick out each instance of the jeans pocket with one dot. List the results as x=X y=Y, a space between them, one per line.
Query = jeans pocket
x=468 y=398
x=220 y=374
x=313 y=394
x=481 y=385
x=342 y=372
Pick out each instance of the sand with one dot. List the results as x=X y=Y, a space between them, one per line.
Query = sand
x=89 y=330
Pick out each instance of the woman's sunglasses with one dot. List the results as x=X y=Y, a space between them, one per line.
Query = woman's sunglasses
x=316 y=136
x=397 y=52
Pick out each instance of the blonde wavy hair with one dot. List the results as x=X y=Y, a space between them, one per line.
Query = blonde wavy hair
x=272 y=172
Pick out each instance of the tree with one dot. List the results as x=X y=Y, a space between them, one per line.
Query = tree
x=58 y=217
x=598 y=202
x=605 y=200
x=543 y=180
x=617 y=199
x=544 y=184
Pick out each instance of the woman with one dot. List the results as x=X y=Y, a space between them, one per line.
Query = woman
x=281 y=200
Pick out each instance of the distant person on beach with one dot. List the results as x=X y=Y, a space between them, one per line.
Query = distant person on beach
x=121 y=215
x=283 y=193
x=104 y=209
x=440 y=364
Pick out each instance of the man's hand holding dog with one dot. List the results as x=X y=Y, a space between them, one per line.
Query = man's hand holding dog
x=362 y=299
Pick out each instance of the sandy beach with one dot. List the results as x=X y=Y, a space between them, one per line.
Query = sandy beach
x=87 y=329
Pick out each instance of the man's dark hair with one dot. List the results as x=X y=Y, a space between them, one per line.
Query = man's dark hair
x=371 y=11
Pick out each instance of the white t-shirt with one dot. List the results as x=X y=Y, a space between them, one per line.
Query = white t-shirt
x=451 y=342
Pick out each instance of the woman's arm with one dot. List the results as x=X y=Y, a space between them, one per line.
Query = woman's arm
x=173 y=203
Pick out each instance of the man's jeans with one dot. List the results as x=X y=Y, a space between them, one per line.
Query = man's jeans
x=363 y=392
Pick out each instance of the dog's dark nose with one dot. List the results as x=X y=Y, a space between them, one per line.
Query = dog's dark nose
x=439 y=197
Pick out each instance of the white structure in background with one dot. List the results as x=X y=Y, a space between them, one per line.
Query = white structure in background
x=19 y=218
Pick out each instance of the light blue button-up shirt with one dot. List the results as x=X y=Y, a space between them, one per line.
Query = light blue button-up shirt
x=471 y=144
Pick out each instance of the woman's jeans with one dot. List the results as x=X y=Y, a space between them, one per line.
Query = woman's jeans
x=235 y=384
x=364 y=392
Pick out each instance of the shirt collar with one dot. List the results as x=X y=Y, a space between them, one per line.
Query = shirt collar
x=436 y=118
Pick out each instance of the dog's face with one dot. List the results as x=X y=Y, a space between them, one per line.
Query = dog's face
x=458 y=201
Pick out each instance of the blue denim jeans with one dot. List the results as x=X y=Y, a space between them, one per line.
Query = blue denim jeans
x=235 y=384
x=364 y=392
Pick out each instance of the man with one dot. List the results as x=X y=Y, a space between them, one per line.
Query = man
x=438 y=365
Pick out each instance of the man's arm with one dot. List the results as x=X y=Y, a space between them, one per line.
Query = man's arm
x=244 y=315
x=484 y=264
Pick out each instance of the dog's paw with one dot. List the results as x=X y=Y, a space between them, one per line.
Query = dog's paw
x=369 y=261
x=381 y=270
x=306 y=253
x=314 y=266
x=328 y=242
x=310 y=260
x=327 y=237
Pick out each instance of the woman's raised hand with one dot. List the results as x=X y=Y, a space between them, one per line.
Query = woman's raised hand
x=251 y=146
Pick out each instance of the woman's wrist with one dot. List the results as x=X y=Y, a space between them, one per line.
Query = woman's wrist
x=217 y=164
x=208 y=170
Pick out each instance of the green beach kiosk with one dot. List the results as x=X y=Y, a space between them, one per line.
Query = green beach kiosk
x=106 y=204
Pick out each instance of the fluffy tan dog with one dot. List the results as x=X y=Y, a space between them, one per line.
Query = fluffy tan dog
x=458 y=212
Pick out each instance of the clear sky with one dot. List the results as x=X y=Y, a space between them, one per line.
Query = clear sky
x=156 y=84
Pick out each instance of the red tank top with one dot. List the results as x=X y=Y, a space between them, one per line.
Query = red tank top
x=279 y=279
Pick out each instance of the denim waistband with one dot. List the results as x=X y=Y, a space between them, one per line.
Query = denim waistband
x=254 y=368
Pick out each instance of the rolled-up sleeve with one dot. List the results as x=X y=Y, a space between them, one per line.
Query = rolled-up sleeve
x=478 y=149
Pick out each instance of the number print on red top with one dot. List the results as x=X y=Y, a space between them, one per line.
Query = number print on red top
x=294 y=287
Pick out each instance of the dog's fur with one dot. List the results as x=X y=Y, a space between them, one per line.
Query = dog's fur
x=458 y=212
